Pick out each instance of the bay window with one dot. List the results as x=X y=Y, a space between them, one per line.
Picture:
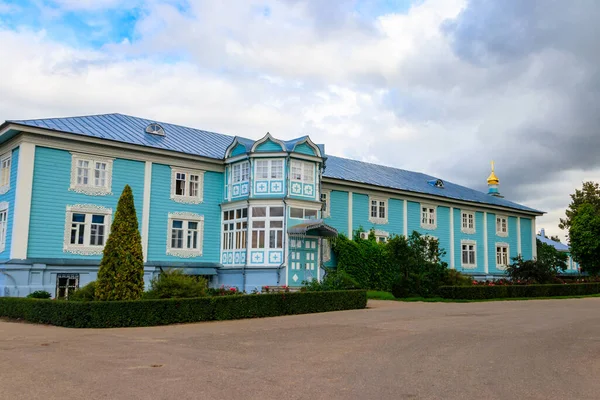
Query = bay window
x=267 y=227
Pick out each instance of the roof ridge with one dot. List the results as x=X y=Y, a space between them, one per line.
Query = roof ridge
x=73 y=116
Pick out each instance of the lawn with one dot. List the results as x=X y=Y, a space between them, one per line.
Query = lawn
x=381 y=295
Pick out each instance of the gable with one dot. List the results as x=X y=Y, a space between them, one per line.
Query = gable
x=268 y=145
x=237 y=150
x=304 y=148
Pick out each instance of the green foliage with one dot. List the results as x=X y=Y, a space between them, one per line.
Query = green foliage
x=39 y=294
x=584 y=235
x=413 y=263
x=333 y=280
x=481 y=292
x=86 y=293
x=531 y=271
x=455 y=278
x=222 y=291
x=548 y=256
x=589 y=194
x=174 y=284
x=103 y=314
x=121 y=272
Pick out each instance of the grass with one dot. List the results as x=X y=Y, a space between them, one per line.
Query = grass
x=381 y=295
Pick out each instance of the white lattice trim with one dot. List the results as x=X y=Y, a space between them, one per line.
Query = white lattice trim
x=90 y=189
x=187 y=216
x=85 y=250
x=4 y=189
x=187 y=199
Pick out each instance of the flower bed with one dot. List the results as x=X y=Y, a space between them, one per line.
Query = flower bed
x=110 y=314
x=483 y=291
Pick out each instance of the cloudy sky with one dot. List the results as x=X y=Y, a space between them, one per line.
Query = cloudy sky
x=437 y=86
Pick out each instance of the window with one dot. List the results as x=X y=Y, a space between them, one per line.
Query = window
x=468 y=254
x=3 y=225
x=91 y=175
x=241 y=172
x=269 y=169
x=303 y=171
x=380 y=236
x=467 y=222
x=185 y=234
x=326 y=250
x=66 y=284
x=267 y=227
x=235 y=228
x=378 y=210
x=502 y=255
x=325 y=199
x=186 y=186
x=86 y=229
x=303 y=213
x=428 y=216
x=501 y=226
x=5 y=173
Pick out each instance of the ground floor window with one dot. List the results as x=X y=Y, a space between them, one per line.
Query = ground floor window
x=235 y=228
x=469 y=254
x=66 y=284
x=267 y=227
x=3 y=224
x=502 y=255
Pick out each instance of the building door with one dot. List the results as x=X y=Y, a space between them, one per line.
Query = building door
x=303 y=263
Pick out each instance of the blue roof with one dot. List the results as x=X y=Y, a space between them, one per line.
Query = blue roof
x=128 y=129
x=557 y=245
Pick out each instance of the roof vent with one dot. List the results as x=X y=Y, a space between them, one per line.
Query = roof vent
x=438 y=183
x=155 y=129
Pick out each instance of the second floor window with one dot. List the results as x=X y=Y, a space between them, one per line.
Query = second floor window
x=241 y=172
x=428 y=216
x=235 y=226
x=467 y=222
x=378 y=210
x=91 y=174
x=269 y=169
x=501 y=225
x=186 y=186
x=5 y=173
x=303 y=171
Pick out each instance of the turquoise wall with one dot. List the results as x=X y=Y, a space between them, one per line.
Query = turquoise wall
x=51 y=195
x=268 y=145
x=477 y=236
x=526 y=238
x=338 y=212
x=304 y=149
x=361 y=210
x=237 y=150
x=161 y=205
x=9 y=197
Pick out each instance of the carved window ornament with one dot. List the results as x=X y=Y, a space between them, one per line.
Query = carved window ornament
x=326 y=203
x=502 y=225
x=378 y=210
x=91 y=175
x=468 y=254
x=428 y=216
x=87 y=227
x=187 y=186
x=185 y=234
x=467 y=222
x=502 y=256
x=5 y=163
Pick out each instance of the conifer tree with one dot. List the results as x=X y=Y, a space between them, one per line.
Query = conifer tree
x=121 y=273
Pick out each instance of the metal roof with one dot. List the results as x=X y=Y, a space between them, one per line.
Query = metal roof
x=557 y=245
x=128 y=129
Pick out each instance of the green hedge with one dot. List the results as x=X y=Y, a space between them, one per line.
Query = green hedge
x=480 y=292
x=110 y=314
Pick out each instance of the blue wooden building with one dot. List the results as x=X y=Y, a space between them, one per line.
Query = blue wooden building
x=572 y=265
x=241 y=212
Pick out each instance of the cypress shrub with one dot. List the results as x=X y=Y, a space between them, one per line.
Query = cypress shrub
x=121 y=272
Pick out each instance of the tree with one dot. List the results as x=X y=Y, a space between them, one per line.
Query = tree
x=589 y=194
x=121 y=273
x=549 y=256
x=555 y=238
x=543 y=269
x=584 y=235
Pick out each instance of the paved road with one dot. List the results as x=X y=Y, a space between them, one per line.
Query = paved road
x=543 y=349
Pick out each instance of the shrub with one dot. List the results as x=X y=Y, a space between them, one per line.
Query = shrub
x=455 y=278
x=173 y=284
x=109 y=314
x=533 y=271
x=39 y=294
x=333 y=280
x=223 y=291
x=85 y=293
x=481 y=292
x=121 y=272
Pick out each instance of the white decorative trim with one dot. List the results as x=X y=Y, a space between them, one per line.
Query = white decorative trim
x=327 y=212
x=428 y=226
x=466 y=229
x=146 y=208
x=187 y=199
x=377 y=220
x=499 y=227
x=187 y=216
x=4 y=189
x=264 y=139
x=502 y=244
x=90 y=189
x=7 y=156
x=22 y=202
x=310 y=144
x=469 y=242
x=4 y=205
x=85 y=250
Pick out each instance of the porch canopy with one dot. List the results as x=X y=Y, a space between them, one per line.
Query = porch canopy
x=314 y=227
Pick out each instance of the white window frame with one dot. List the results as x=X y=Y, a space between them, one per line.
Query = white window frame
x=326 y=209
x=186 y=198
x=3 y=224
x=378 y=219
x=499 y=230
x=186 y=217
x=506 y=246
x=306 y=171
x=428 y=216
x=464 y=216
x=304 y=210
x=234 y=238
x=380 y=236
x=68 y=289
x=267 y=229
x=86 y=249
x=90 y=188
x=468 y=243
x=243 y=171
x=5 y=169
x=270 y=163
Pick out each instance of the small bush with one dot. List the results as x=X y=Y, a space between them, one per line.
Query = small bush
x=333 y=280
x=173 y=284
x=455 y=278
x=39 y=294
x=85 y=293
x=110 y=314
x=222 y=291
x=482 y=292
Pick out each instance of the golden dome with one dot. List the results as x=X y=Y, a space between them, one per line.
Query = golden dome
x=493 y=179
